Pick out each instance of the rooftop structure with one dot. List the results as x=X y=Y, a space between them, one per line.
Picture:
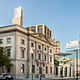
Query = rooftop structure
x=18 y=16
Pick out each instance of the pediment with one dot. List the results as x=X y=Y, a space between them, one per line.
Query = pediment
x=42 y=37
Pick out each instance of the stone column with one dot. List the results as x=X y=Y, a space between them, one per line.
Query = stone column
x=59 y=71
x=63 y=71
x=68 y=71
x=55 y=70
x=72 y=71
x=42 y=51
x=35 y=49
x=48 y=54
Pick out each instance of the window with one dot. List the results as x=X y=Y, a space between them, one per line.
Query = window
x=40 y=69
x=39 y=46
x=8 y=70
x=8 y=40
x=45 y=57
x=32 y=44
x=50 y=59
x=50 y=69
x=39 y=29
x=22 y=68
x=39 y=56
x=8 y=52
x=32 y=55
x=46 y=69
x=33 y=29
x=1 y=41
x=33 y=68
x=50 y=33
x=22 y=41
x=50 y=50
x=45 y=48
x=22 y=53
x=28 y=29
x=45 y=30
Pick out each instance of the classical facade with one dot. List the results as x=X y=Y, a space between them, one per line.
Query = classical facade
x=31 y=49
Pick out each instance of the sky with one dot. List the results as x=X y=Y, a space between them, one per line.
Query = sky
x=61 y=16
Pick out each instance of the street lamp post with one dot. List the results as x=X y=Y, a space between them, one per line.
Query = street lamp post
x=40 y=71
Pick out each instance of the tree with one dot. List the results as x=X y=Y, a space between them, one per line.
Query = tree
x=4 y=59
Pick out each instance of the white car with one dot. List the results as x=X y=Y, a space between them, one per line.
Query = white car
x=5 y=76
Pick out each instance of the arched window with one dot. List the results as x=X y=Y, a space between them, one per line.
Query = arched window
x=22 y=68
x=46 y=69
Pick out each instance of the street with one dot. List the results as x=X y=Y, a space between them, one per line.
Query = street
x=49 y=79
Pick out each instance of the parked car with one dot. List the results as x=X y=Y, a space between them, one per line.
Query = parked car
x=5 y=76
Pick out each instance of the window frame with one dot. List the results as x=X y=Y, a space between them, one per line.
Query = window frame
x=9 y=52
x=22 y=41
x=22 y=53
x=1 y=41
x=8 y=40
x=50 y=58
x=39 y=56
x=22 y=68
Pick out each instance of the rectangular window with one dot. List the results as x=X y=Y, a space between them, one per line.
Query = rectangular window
x=45 y=49
x=22 y=41
x=8 y=52
x=50 y=33
x=8 y=70
x=22 y=53
x=50 y=69
x=33 y=29
x=45 y=30
x=33 y=68
x=39 y=46
x=45 y=57
x=1 y=41
x=40 y=29
x=8 y=40
x=46 y=69
x=32 y=44
x=32 y=55
x=50 y=59
x=22 y=68
x=50 y=50
x=39 y=56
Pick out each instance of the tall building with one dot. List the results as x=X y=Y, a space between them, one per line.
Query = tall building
x=31 y=49
x=74 y=48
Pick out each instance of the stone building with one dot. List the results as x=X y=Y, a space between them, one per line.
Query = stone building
x=29 y=47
